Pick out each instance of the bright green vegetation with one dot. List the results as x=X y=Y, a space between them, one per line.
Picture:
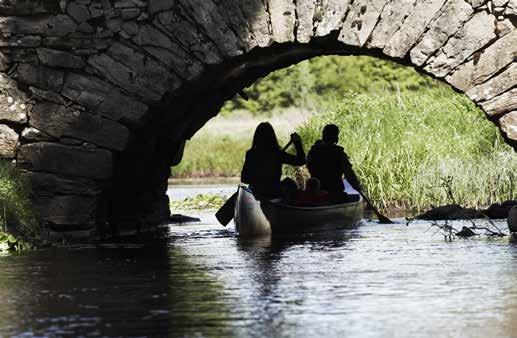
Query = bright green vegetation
x=199 y=202
x=408 y=150
x=211 y=155
x=410 y=138
x=16 y=218
x=315 y=82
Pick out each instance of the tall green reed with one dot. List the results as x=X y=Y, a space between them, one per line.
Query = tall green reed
x=402 y=146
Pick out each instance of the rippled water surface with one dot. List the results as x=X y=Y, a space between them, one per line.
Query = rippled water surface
x=200 y=280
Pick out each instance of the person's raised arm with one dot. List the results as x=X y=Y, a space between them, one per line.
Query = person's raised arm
x=299 y=159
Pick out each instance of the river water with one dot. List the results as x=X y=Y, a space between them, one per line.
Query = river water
x=200 y=280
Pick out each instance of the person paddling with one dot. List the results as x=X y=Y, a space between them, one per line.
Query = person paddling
x=328 y=162
x=262 y=168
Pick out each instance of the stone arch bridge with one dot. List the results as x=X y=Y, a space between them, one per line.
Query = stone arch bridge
x=97 y=97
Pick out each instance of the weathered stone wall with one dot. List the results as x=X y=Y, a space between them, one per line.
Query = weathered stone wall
x=98 y=97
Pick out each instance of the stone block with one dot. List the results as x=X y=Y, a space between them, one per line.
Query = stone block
x=15 y=41
x=391 y=19
x=207 y=17
x=13 y=102
x=151 y=72
x=47 y=95
x=12 y=110
x=85 y=28
x=10 y=56
x=170 y=53
x=130 y=13
x=486 y=63
x=477 y=3
x=77 y=43
x=8 y=141
x=501 y=104
x=66 y=211
x=495 y=86
x=71 y=161
x=233 y=14
x=103 y=98
x=412 y=28
x=258 y=19
x=155 y=6
x=508 y=124
x=32 y=134
x=283 y=20
x=54 y=25
x=451 y=18
x=49 y=184
x=305 y=10
x=78 y=12
x=58 y=58
x=186 y=34
x=130 y=27
x=124 y=77
x=61 y=122
x=24 y=7
x=360 y=21
x=329 y=16
x=4 y=62
x=41 y=77
x=474 y=35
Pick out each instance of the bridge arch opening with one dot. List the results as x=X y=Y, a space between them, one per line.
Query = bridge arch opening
x=390 y=104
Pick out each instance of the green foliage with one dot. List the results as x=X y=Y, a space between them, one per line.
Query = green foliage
x=199 y=202
x=403 y=146
x=328 y=77
x=15 y=209
x=210 y=155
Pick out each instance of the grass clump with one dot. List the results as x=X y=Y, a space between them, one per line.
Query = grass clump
x=212 y=155
x=17 y=222
x=411 y=149
x=199 y=202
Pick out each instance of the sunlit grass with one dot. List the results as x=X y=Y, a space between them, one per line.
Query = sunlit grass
x=404 y=146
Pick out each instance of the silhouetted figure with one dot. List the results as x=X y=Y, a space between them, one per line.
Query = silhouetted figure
x=263 y=164
x=312 y=196
x=328 y=162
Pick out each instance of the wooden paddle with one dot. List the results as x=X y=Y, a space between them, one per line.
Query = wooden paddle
x=382 y=219
x=225 y=214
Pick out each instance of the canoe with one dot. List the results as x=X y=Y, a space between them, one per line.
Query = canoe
x=256 y=218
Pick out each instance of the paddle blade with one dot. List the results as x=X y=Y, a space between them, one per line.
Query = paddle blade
x=225 y=214
x=384 y=220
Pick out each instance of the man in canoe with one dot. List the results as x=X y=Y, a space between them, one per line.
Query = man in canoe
x=262 y=168
x=328 y=162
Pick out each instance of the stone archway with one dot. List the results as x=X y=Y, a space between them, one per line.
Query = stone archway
x=98 y=97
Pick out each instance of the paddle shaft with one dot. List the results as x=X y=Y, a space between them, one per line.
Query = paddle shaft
x=381 y=217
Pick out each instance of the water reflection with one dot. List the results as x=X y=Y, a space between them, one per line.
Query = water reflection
x=203 y=281
x=128 y=290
